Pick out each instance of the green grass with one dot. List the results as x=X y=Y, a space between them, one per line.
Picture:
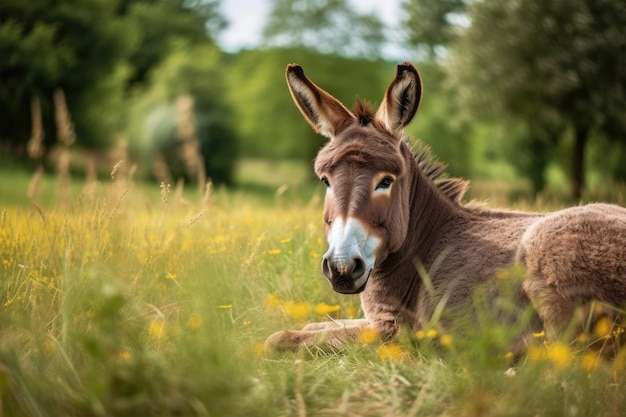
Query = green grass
x=130 y=303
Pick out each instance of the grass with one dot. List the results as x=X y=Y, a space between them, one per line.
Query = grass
x=140 y=302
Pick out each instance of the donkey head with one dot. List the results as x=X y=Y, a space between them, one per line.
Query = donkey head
x=364 y=169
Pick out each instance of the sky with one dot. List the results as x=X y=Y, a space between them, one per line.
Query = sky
x=247 y=17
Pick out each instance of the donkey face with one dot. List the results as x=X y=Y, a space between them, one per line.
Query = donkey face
x=366 y=204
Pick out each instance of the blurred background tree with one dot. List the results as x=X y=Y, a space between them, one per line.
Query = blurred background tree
x=431 y=24
x=558 y=66
x=326 y=26
x=100 y=53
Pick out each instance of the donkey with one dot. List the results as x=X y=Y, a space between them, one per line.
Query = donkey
x=390 y=214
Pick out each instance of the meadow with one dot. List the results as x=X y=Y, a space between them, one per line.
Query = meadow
x=140 y=300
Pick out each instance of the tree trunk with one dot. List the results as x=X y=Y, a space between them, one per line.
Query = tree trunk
x=578 y=174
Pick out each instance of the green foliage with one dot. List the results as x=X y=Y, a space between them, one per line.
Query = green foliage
x=430 y=23
x=195 y=70
x=268 y=122
x=92 y=51
x=553 y=65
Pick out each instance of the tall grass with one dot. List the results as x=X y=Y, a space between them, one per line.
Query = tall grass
x=140 y=302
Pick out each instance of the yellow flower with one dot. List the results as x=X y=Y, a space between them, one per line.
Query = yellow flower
x=390 y=351
x=559 y=354
x=602 y=329
x=274 y=251
x=420 y=334
x=156 y=329
x=589 y=361
x=369 y=336
x=125 y=355
x=323 y=309
x=297 y=310
x=445 y=340
x=431 y=334
x=286 y=240
x=273 y=301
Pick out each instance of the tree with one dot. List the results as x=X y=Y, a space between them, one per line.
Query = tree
x=431 y=24
x=156 y=125
x=558 y=65
x=92 y=50
x=326 y=26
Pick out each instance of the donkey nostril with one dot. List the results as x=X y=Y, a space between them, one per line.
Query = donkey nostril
x=358 y=269
x=326 y=269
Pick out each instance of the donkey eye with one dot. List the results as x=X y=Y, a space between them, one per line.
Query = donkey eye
x=325 y=181
x=385 y=183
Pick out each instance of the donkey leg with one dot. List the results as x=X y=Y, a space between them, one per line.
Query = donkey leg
x=317 y=335
x=554 y=310
x=334 y=324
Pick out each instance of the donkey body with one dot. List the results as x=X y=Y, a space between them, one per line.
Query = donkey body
x=392 y=220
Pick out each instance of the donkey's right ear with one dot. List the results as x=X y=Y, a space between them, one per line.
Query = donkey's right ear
x=324 y=112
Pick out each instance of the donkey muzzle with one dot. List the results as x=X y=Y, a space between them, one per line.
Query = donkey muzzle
x=346 y=276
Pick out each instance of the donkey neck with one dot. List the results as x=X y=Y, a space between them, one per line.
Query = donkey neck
x=430 y=210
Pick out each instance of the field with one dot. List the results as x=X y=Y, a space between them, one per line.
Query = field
x=145 y=301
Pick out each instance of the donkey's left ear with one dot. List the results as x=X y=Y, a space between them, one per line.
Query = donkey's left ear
x=402 y=99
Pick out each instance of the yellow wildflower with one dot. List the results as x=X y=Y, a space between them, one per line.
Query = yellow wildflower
x=156 y=329
x=323 y=309
x=390 y=351
x=273 y=301
x=125 y=355
x=602 y=329
x=274 y=251
x=369 y=336
x=445 y=340
x=559 y=354
x=420 y=334
x=589 y=361
x=431 y=334
x=297 y=310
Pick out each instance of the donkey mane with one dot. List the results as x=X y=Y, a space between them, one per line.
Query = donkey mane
x=453 y=188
